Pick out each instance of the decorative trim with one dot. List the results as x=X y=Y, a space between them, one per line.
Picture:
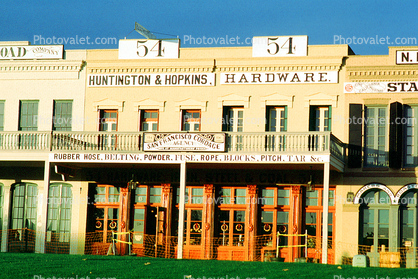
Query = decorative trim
x=41 y=66
x=374 y=186
x=191 y=104
x=234 y=100
x=319 y=99
x=186 y=69
x=269 y=68
x=208 y=188
x=108 y=104
x=277 y=99
x=252 y=189
x=403 y=190
x=149 y=104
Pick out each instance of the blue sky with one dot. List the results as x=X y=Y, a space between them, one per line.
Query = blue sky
x=325 y=22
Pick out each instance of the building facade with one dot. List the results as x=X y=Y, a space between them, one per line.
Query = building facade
x=241 y=149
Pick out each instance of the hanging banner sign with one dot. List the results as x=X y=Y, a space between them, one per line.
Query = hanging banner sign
x=152 y=157
x=131 y=80
x=31 y=52
x=381 y=87
x=149 y=49
x=279 y=78
x=184 y=142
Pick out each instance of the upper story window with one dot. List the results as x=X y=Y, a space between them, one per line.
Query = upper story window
x=320 y=118
x=191 y=120
x=149 y=120
x=108 y=120
x=233 y=119
x=62 y=120
x=276 y=119
x=1 y=115
x=411 y=136
x=375 y=137
x=28 y=120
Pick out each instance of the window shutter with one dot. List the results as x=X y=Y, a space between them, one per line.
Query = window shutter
x=395 y=135
x=355 y=135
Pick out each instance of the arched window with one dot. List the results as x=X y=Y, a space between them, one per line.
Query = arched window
x=374 y=218
x=24 y=206
x=59 y=212
x=408 y=218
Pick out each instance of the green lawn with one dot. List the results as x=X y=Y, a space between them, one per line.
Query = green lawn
x=43 y=266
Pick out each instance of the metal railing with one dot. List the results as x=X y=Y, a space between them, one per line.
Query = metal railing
x=262 y=142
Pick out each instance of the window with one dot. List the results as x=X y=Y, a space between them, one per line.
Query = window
x=191 y=120
x=320 y=118
x=233 y=195
x=276 y=119
x=149 y=120
x=408 y=219
x=139 y=225
x=196 y=196
x=24 y=206
x=106 y=222
x=1 y=207
x=106 y=211
x=312 y=198
x=28 y=116
x=283 y=196
x=376 y=137
x=411 y=136
x=59 y=212
x=1 y=115
x=62 y=119
x=374 y=218
x=155 y=195
x=141 y=194
x=193 y=226
x=108 y=123
x=108 y=120
x=267 y=196
x=233 y=119
x=231 y=227
x=106 y=194
x=314 y=217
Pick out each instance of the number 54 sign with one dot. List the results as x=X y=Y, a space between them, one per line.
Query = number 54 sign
x=280 y=46
x=149 y=49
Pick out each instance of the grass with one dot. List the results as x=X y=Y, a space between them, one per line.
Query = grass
x=43 y=266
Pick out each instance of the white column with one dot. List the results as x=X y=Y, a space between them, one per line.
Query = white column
x=6 y=217
x=181 y=210
x=325 y=215
x=42 y=211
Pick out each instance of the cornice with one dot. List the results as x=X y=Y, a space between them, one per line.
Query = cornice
x=278 y=68
x=41 y=66
x=135 y=70
x=382 y=73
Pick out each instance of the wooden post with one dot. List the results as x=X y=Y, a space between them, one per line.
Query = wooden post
x=124 y=208
x=251 y=221
x=166 y=203
x=296 y=224
x=207 y=222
